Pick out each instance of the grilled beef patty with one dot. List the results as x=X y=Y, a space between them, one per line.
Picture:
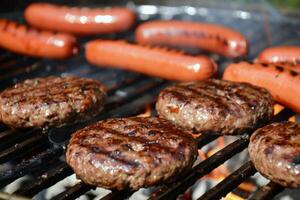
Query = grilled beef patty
x=217 y=106
x=275 y=152
x=51 y=101
x=130 y=152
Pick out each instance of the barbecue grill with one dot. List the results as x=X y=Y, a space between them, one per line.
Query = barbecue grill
x=39 y=154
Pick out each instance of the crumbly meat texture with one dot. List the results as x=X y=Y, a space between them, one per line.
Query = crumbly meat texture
x=130 y=152
x=51 y=102
x=215 y=106
x=275 y=152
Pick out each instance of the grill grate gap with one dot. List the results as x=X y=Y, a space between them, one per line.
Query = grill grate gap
x=230 y=182
x=267 y=191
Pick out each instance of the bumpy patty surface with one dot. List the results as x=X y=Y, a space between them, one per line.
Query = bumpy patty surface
x=51 y=101
x=275 y=152
x=218 y=106
x=130 y=152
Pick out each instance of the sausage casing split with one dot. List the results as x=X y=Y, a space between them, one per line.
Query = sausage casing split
x=21 y=39
x=283 y=82
x=209 y=37
x=280 y=54
x=81 y=21
x=151 y=61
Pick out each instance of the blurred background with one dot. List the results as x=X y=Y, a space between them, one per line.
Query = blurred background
x=289 y=7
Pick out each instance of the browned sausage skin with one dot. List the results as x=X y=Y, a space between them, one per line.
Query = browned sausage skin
x=210 y=37
x=280 y=54
x=81 y=21
x=282 y=81
x=151 y=61
x=28 y=41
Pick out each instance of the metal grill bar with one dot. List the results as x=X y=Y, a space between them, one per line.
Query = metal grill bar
x=27 y=166
x=138 y=91
x=23 y=147
x=12 y=63
x=50 y=177
x=13 y=137
x=205 y=139
x=133 y=107
x=118 y=195
x=74 y=192
x=268 y=191
x=173 y=190
x=80 y=189
x=230 y=182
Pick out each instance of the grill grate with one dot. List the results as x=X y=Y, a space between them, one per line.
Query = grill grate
x=29 y=152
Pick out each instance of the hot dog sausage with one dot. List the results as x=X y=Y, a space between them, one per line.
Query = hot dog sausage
x=24 y=40
x=210 y=37
x=282 y=82
x=280 y=54
x=151 y=61
x=82 y=21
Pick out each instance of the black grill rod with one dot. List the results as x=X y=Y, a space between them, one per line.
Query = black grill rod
x=230 y=182
x=266 y=192
x=5 y=56
x=46 y=179
x=244 y=172
x=205 y=139
x=202 y=141
x=118 y=195
x=13 y=137
x=7 y=196
x=74 y=192
x=10 y=137
x=173 y=190
x=29 y=165
x=135 y=106
x=129 y=109
x=20 y=149
x=10 y=65
x=41 y=183
x=130 y=105
x=283 y=115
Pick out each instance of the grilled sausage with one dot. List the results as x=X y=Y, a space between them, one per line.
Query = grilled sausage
x=82 y=21
x=151 y=61
x=281 y=81
x=210 y=37
x=280 y=55
x=24 y=40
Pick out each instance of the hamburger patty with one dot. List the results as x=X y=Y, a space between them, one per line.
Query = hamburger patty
x=130 y=152
x=215 y=106
x=51 y=101
x=275 y=152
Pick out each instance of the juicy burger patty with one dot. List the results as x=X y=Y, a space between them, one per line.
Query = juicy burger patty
x=130 y=152
x=215 y=106
x=275 y=152
x=51 y=101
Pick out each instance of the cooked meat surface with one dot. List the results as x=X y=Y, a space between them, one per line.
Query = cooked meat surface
x=215 y=106
x=275 y=152
x=130 y=152
x=51 y=101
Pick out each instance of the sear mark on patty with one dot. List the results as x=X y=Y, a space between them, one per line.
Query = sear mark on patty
x=216 y=106
x=111 y=157
x=51 y=101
